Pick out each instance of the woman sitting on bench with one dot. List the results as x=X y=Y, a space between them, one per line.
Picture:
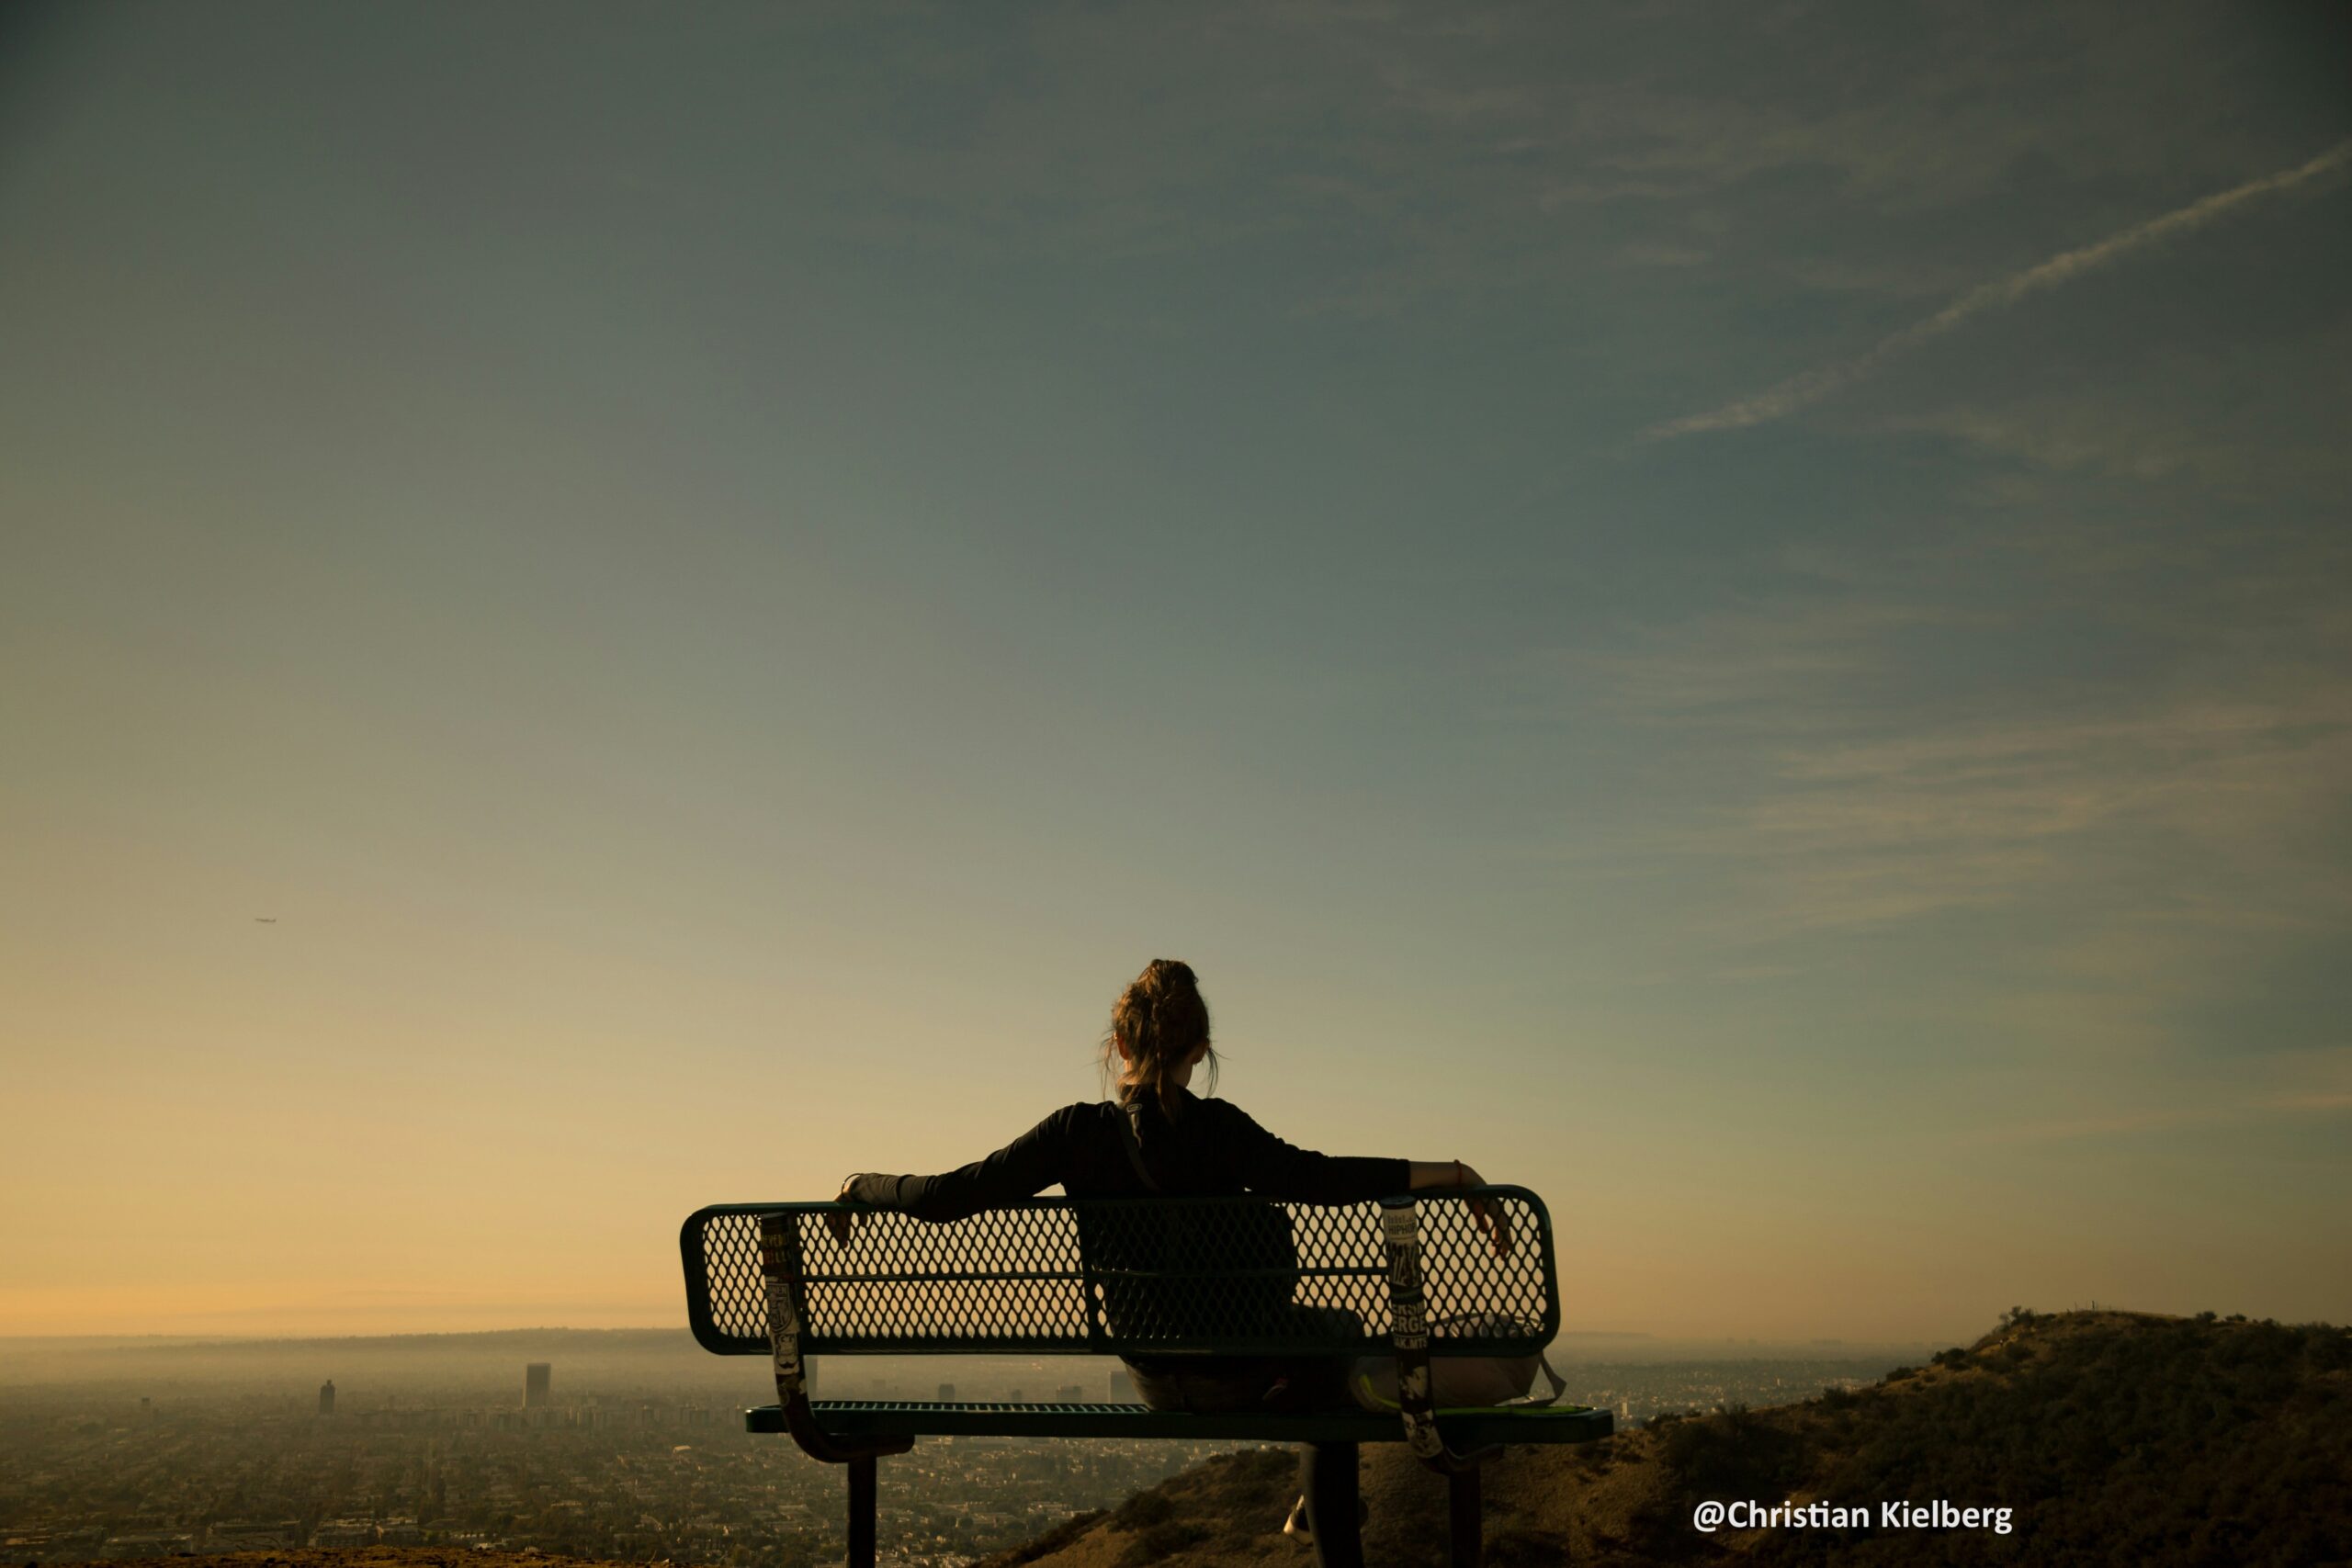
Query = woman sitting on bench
x=1159 y=1138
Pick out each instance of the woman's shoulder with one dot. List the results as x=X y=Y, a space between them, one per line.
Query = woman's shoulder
x=1085 y=1128
x=1219 y=1119
x=1217 y=1110
x=1082 y=1115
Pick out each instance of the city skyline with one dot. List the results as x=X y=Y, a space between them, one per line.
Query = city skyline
x=645 y=1459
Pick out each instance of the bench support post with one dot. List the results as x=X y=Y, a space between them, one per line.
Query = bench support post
x=861 y=1512
x=1330 y=1488
x=1464 y=1533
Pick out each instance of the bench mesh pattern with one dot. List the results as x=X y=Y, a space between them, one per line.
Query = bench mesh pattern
x=1125 y=1276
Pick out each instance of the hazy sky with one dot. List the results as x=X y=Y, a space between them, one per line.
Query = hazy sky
x=1735 y=614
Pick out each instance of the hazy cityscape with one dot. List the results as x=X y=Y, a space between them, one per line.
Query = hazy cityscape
x=622 y=1445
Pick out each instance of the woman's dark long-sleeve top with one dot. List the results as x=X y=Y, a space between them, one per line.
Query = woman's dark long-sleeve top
x=1209 y=1149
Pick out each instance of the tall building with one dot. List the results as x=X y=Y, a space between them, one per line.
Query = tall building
x=947 y=1393
x=535 y=1384
x=326 y=1397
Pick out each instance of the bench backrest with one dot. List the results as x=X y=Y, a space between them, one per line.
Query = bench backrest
x=1128 y=1276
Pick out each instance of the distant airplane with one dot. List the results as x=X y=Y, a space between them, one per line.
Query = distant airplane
x=265 y=919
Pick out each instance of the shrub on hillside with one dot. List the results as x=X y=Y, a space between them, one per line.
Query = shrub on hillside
x=1142 y=1511
x=1162 y=1540
x=1733 y=1453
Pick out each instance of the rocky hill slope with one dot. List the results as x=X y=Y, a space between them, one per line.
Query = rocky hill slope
x=2109 y=1436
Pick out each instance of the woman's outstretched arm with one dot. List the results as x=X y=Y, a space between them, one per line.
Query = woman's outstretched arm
x=1024 y=1167
x=1282 y=1170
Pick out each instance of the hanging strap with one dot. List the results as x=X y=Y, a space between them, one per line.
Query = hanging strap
x=1528 y=1401
x=780 y=1265
x=1409 y=1326
x=780 y=1268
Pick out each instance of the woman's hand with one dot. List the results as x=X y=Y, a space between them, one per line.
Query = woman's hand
x=1444 y=1176
x=1492 y=1221
x=838 y=1220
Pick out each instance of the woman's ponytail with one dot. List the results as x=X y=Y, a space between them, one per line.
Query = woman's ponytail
x=1162 y=1021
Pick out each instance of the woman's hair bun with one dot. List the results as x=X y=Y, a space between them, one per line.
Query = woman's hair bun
x=1162 y=1021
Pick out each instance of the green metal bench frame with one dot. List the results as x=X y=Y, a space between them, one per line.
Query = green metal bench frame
x=1413 y=1277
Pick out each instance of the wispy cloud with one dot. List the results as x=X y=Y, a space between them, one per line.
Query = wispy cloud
x=1884 y=828
x=1772 y=666
x=2303 y=1087
x=1802 y=391
x=1861 y=782
x=2256 y=420
x=2166 y=1119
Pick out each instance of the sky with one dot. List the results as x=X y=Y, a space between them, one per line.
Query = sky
x=1737 y=617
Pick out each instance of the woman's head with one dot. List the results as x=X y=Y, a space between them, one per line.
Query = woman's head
x=1159 y=1029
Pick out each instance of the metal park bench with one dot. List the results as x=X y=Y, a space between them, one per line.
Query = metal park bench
x=1414 y=1278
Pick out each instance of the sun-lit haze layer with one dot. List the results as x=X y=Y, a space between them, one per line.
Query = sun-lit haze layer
x=1739 y=617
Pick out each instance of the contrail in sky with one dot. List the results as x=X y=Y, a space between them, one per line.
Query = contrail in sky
x=1800 y=391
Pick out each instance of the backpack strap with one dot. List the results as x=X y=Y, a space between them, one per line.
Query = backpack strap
x=1560 y=1387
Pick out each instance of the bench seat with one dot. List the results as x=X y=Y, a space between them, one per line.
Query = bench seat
x=1464 y=1429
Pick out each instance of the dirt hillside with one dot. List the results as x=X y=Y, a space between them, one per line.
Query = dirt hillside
x=2109 y=1437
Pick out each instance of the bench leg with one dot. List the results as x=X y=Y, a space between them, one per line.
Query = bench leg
x=861 y=1512
x=1465 y=1529
x=1327 y=1477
